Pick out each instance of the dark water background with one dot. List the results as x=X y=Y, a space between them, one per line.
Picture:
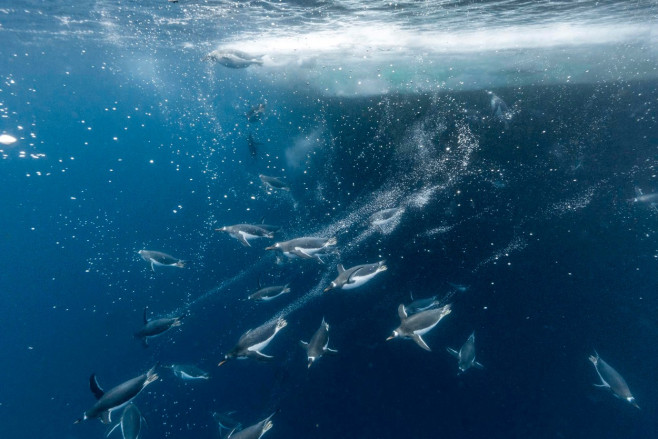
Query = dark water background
x=532 y=212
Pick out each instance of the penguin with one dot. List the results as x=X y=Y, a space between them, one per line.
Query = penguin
x=255 y=113
x=304 y=248
x=155 y=327
x=160 y=259
x=466 y=355
x=253 y=431
x=245 y=232
x=188 y=372
x=233 y=59
x=459 y=287
x=419 y=305
x=356 y=276
x=384 y=217
x=611 y=380
x=268 y=293
x=130 y=422
x=650 y=200
x=273 y=183
x=319 y=344
x=252 y=341
x=117 y=397
x=253 y=145
x=226 y=422
x=416 y=325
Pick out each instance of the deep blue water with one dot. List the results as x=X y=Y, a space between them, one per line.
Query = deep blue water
x=126 y=140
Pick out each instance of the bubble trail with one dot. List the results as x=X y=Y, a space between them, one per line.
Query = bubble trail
x=224 y=285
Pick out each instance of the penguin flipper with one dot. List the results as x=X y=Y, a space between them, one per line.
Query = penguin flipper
x=152 y=267
x=109 y=432
x=145 y=342
x=331 y=351
x=260 y=356
x=402 y=312
x=478 y=365
x=453 y=352
x=106 y=417
x=298 y=251
x=303 y=344
x=419 y=340
x=242 y=240
x=95 y=387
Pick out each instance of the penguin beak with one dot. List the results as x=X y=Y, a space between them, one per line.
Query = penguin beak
x=310 y=361
x=221 y=362
x=327 y=289
x=270 y=248
x=390 y=337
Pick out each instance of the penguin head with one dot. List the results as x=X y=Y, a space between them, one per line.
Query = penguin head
x=332 y=285
x=273 y=247
x=631 y=400
x=310 y=361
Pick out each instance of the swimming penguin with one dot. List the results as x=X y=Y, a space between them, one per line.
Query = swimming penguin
x=416 y=325
x=319 y=344
x=160 y=259
x=273 y=183
x=117 y=397
x=611 y=380
x=386 y=216
x=245 y=232
x=419 y=305
x=130 y=422
x=459 y=287
x=305 y=248
x=252 y=145
x=265 y=294
x=253 y=431
x=188 y=372
x=226 y=423
x=233 y=59
x=356 y=276
x=650 y=200
x=252 y=341
x=255 y=113
x=466 y=355
x=498 y=106
x=155 y=327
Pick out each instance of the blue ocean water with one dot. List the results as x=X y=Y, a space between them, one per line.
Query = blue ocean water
x=126 y=139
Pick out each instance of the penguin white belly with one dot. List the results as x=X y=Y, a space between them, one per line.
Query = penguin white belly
x=358 y=281
x=424 y=331
x=248 y=236
x=258 y=346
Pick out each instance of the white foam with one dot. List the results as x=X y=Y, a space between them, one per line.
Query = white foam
x=372 y=40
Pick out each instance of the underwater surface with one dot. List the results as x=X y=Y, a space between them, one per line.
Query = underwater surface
x=517 y=141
